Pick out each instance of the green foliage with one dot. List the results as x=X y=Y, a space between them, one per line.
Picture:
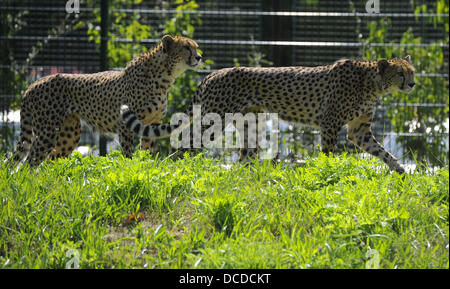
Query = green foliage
x=333 y=212
x=122 y=26
x=426 y=122
x=183 y=23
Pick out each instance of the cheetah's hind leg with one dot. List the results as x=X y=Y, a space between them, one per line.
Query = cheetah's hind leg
x=45 y=136
x=68 y=137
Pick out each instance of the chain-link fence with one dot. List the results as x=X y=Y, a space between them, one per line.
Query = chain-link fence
x=39 y=38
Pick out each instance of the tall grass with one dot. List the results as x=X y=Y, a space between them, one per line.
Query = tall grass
x=113 y=212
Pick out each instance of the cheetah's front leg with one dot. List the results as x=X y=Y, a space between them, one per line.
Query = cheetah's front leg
x=248 y=138
x=329 y=128
x=126 y=139
x=147 y=144
x=359 y=132
x=151 y=113
x=329 y=139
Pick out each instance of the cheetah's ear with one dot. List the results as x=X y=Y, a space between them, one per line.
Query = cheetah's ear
x=382 y=65
x=407 y=58
x=167 y=42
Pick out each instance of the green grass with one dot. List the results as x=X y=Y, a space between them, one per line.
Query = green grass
x=333 y=212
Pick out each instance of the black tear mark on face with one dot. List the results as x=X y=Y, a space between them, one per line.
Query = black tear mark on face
x=403 y=80
x=190 y=54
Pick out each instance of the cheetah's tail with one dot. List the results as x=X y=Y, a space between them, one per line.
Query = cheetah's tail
x=26 y=135
x=157 y=131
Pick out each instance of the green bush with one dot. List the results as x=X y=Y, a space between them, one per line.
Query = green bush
x=427 y=122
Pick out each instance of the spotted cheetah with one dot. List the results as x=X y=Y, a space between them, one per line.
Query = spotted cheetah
x=52 y=106
x=327 y=97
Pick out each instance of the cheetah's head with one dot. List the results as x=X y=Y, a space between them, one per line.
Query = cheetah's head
x=182 y=51
x=396 y=74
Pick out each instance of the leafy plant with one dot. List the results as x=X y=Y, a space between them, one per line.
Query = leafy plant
x=421 y=115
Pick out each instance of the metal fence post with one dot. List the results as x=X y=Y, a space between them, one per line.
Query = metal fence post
x=104 y=25
x=280 y=29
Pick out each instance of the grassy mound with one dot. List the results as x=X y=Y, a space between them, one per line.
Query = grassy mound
x=113 y=212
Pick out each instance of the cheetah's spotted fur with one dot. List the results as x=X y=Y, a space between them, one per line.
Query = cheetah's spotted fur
x=52 y=106
x=327 y=97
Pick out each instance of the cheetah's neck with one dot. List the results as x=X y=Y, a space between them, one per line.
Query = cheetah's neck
x=372 y=80
x=154 y=65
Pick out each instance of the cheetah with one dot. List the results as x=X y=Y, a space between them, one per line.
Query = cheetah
x=53 y=106
x=327 y=97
